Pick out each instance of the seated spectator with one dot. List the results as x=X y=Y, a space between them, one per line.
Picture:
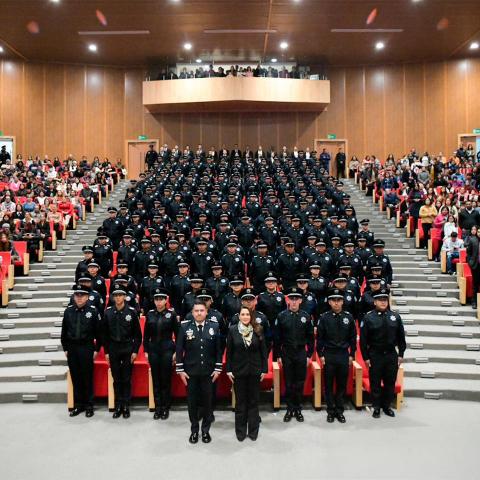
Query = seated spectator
x=452 y=246
x=427 y=214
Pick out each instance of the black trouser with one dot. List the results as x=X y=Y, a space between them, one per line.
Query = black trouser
x=247 y=392
x=199 y=394
x=161 y=366
x=336 y=373
x=475 y=281
x=80 y=363
x=426 y=234
x=295 y=367
x=121 y=365
x=383 y=368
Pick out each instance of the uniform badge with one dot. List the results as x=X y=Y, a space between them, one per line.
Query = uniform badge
x=361 y=324
x=190 y=335
x=393 y=318
x=345 y=320
x=88 y=315
x=211 y=331
x=309 y=298
x=151 y=257
x=296 y=259
x=91 y=298
x=128 y=298
x=303 y=320
x=349 y=298
x=168 y=315
x=209 y=258
x=327 y=258
x=258 y=320
x=132 y=249
x=213 y=319
x=268 y=260
x=384 y=260
x=223 y=280
x=237 y=259
x=355 y=260
x=279 y=299
x=128 y=318
x=99 y=282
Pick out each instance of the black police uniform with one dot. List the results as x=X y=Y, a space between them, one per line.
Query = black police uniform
x=103 y=255
x=122 y=337
x=179 y=286
x=293 y=332
x=271 y=304
x=289 y=266
x=80 y=337
x=336 y=341
x=259 y=267
x=219 y=287
x=160 y=327
x=199 y=354
x=147 y=287
x=381 y=333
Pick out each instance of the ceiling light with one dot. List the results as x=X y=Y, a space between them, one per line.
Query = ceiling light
x=55 y=1
x=1 y=50
x=92 y=47
x=474 y=46
x=379 y=46
x=283 y=45
x=198 y=60
x=416 y=1
x=273 y=60
x=187 y=46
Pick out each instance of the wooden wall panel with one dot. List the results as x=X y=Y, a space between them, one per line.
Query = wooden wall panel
x=114 y=114
x=249 y=130
x=455 y=93
x=473 y=97
x=172 y=127
x=192 y=123
x=75 y=95
x=287 y=130
x=394 y=110
x=134 y=119
x=210 y=130
x=375 y=111
x=34 y=110
x=267 y=124
x=335 y=117
x=355 y=95
x=11 y=100
x=55 y=111
x=415 y=107
x=306 y=129
x=95 y=119
x=435 y=109
x=229 y=128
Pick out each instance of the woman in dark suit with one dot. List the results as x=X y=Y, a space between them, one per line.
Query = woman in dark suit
x=246 y=367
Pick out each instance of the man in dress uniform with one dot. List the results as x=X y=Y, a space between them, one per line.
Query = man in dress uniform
x=103 y=255
x=260 y=266
x=381 y=335
x=271 y=302
x=293 y=345
x=289 y=265
x=82 y=266
x=379 y=257
x=122 y=339
x=151 y=157
x=336 y=344
x=161 y=324
x=80 y=340
x=199 y=363
x=113 y=228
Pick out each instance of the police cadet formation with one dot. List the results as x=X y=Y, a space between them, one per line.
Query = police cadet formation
x=233 y=259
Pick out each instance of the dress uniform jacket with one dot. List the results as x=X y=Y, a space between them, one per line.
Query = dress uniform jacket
x=293 y=332
x=271 y=304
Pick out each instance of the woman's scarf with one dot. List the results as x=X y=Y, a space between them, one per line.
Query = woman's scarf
x=246 y=331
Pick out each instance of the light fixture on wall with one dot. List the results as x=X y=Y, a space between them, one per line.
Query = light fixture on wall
x=474 y=46
x=92 y=47
x=1 y=49
x=283 y=45
x=379 y=46
x=274 y=60
x=198 y=60
x=54 y=1
x=187 y=46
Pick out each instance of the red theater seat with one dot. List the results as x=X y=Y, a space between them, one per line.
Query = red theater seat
x=23 y=261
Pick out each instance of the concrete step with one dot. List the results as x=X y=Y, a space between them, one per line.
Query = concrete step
x=45 y=392
x=31 y=333
x=33 y=373
x=439 y=356
x=442 y=343
x=54 y=302
x=7 y=324
x=32 y=358
x=56 y=279
x=442 y=370
x=443 y=331
x=438 y=309
x=448 y=389
x=33 y=295
x=43 y=345
x=411 y=291
x=422 y=320
x=426 y=301
x=38 y=287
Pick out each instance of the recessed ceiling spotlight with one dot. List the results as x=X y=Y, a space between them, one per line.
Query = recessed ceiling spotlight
x=379 y=46
x=2 y=49
x=283 y=45
x=55 y=1
x=416 y=1
x=273 y=60
x=187 y=46
x=92 y=47
x=198 y=60
x=474 y=46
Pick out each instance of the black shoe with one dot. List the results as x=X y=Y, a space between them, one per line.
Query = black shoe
x=474 y=305
x=157 y=415
x=117 y=413
x=450 y=272
x=206 y=438
x=299 y=416
x=341 y=417
x=330 y=418
x=241 y=438
x=376 y=413
x=126 y=413
x=193 y=438
x=253 y=436
x=212 y=418
x=165 y=414
x=388 y=412
x=76 y=411
x=89 y=412
x=288 y=416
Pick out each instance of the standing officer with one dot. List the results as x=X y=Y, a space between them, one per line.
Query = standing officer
x=151 y=157
x=381 y=334
x=271 y=302
x=199 y=363
x=80 y=341
x=336 y=344
x=122 y=340
x=161 y=324
x=294 y=346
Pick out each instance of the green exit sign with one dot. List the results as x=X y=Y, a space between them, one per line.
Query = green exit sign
x=331 y=136
x=476 y=131
x=142 y=137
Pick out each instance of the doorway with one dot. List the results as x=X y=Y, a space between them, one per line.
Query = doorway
x=332 y=146
x=136 y=150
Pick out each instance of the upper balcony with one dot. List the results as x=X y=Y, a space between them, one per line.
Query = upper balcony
x=236 y=94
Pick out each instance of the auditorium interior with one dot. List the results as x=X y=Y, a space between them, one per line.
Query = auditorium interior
x=290 y=188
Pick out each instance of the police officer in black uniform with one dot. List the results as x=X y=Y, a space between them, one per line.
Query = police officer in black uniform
x=82 y=266
x=103 y=255
x=259 y=267
x=151 y=157
x=382 y=342
x=379 y=257
x=336 y=344
x=289 y=265
x=161 y=324
x=199 y=363
x=293 y=344
x=80 y=340
x=113 y=228
x=122 y=340
x=271 y=302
